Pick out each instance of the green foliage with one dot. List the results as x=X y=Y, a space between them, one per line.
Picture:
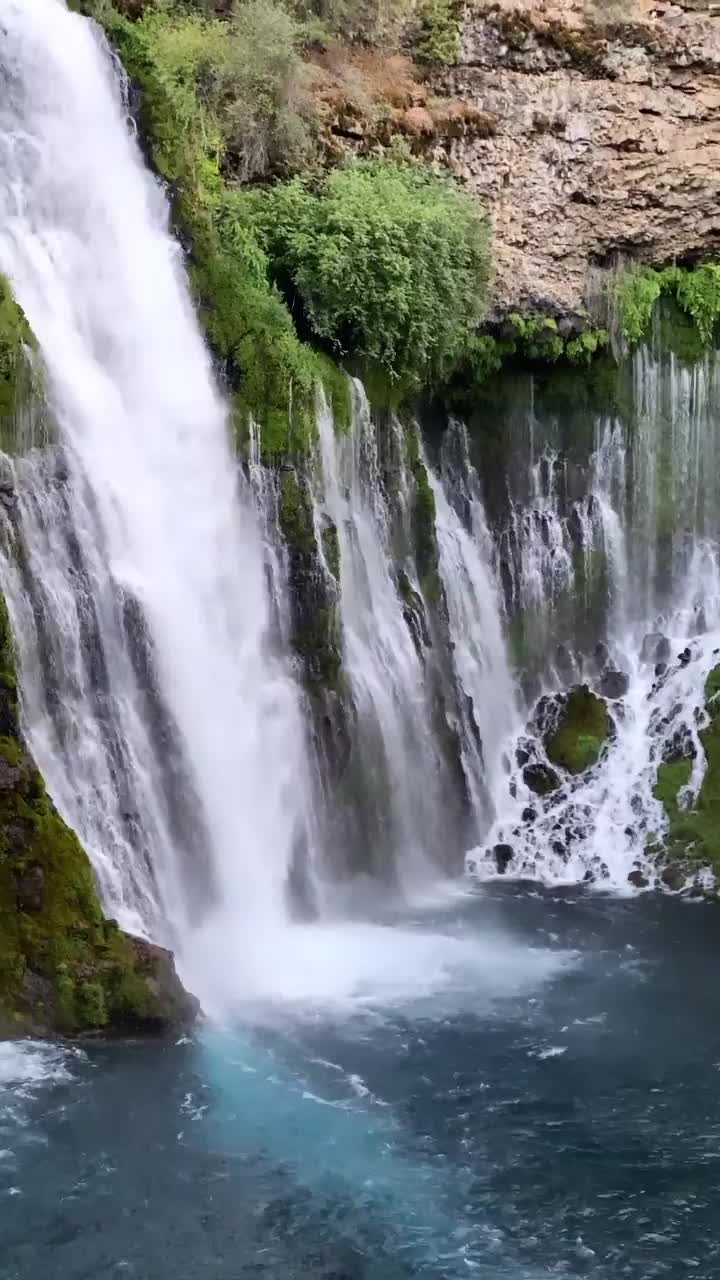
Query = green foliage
x=696 y=291
x=693 y=835
x=14 y=334
x=585 y=346
x=436 y=38
x=386 y=260
x=581 y=732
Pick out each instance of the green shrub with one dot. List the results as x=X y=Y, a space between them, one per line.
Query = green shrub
x=14 y=333
x=696 y=291
x=385 y=259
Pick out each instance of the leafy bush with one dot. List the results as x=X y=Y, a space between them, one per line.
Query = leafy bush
x=696 y=291
x=14 y=333
x=386 y=260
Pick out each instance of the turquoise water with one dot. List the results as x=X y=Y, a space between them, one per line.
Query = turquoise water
x=557 y=1114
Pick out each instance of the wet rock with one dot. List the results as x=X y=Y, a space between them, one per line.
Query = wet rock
x=685 y=657
x=503 y=855
x=655 y=648
x=673 y=877
x=661 y=669
x=522 y=755
x=30 y=888
x=614 y=684
x=529 y=814
x=540 y=779
x=170 y=1005
x=638 y=879
x=582 y=726
x=601 y=656
x=565 y=664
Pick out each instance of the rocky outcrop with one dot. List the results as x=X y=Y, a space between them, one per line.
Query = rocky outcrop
x=606 y=139
x=63 y=966
x=574 y=727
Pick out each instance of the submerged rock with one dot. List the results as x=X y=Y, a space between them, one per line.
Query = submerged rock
x=577 y=728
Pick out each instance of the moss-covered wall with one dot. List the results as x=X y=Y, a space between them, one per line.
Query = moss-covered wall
x=64 y=967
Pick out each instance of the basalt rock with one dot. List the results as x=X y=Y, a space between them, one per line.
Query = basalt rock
x=606 y=139
x=541 y=779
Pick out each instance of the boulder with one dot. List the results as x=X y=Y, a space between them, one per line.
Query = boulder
x=503 y=855
x=638 y=879
x=540 y=779
x=581 y=727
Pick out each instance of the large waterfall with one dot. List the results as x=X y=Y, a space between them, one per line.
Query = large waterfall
x=151 y=594
x=169 y=735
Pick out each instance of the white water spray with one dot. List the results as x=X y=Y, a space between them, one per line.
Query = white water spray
x=145 y=511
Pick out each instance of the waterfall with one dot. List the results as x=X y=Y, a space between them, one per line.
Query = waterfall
x=169 y=734
x=635 y=541
x=403 y=789
x=476 y=621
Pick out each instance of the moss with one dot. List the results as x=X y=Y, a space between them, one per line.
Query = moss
x=422 y=518
x=14 y=336
x=331 y=548
x=63 y=966
x=313 y=595
x=584 y=725
x=693 y=834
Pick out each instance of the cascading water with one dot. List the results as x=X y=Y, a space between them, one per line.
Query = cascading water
x=639 y=554
x=395 y=752
x=475 y=621
x=169 y=736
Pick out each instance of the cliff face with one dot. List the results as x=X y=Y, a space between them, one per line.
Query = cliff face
x=605 y=143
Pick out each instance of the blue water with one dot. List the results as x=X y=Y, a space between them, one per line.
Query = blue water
x=564 y=1123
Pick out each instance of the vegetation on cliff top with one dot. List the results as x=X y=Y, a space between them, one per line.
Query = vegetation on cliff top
x=225 y=101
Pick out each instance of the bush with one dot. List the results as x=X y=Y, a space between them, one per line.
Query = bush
x=385 y=259
x=14 y=334
x=696 y=291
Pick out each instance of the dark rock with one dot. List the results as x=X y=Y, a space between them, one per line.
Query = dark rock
x=529 y=814
x=565 y=664
x=601 y=656
x=522 y=756
x=673 y=877
x=685 y=657
x=30 y=885
x=540 y=779
x=171 y=1005
x=503 y=855
x=559 y=848
x=638 y=879
x=614 y=684
x=655 y=648
x=661 y=669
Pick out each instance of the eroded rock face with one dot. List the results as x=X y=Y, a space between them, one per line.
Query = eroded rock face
x=606 y=141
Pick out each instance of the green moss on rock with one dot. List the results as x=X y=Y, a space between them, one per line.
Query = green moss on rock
x=581 y=731
x=63 y=966
x=693 y=835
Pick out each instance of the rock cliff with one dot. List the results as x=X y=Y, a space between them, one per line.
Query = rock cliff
x=605 y=142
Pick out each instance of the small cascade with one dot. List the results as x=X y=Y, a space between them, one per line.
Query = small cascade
x=474 y=603
x=397 y=767
x=169 y=731
x=638 y=551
